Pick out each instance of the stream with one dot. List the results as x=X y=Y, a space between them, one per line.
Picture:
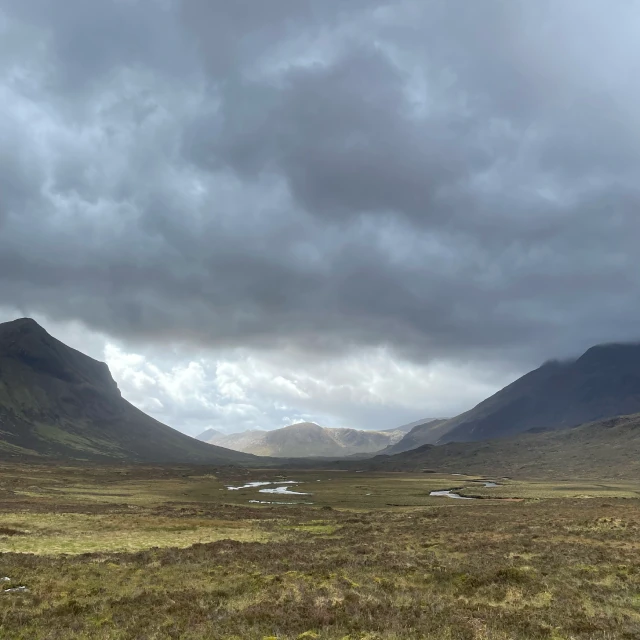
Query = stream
x=270 y=502
x=448 y=493
x=253 y=485
x=280 y=488
x=284 y=490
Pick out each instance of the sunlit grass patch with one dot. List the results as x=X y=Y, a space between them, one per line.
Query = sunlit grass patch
x=73 y=533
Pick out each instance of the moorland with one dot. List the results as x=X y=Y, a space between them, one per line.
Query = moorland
x=154 y=552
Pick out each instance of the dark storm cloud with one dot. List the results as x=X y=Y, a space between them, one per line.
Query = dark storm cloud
x=343 y=137
x=447 y=178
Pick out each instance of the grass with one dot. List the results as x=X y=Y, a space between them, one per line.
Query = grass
x=169 y=553
x=73 y=533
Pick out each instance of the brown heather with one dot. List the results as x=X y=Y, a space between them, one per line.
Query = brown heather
x=147 y=553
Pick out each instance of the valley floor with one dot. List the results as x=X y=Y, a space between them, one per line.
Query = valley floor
x=173 y=553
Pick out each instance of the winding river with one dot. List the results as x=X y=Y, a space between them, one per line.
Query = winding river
x=448 y=493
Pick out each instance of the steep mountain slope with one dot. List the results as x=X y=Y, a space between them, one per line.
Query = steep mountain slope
x=58 y=402
x=607 y=448
x=603 y=382
x=307 y=439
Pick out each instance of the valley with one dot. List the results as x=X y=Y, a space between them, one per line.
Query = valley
x=113 y=552
x=115 y=526
x=319 y=320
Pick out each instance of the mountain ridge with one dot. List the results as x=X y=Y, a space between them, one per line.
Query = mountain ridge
x=308 y=439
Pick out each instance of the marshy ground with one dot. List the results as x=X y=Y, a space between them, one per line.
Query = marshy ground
x=153 y=553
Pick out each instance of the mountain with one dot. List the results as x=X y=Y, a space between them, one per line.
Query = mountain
x=405 y=428
x=209 y=435
x=602 y=383
x=421 y=432
x=607 y=448
x=244 y=441
x=308 y=439
x=57 y=402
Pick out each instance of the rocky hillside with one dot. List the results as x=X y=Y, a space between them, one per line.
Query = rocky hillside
x=308 y=439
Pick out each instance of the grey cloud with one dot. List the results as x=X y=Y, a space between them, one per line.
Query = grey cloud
x=88 y=40
x=433 y=176
x=18 y=184
x=235 y=37
x=344 y=137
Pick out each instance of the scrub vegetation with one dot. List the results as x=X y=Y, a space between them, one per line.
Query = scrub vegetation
x=141 y=552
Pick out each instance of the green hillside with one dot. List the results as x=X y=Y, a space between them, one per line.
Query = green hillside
x=58 y=402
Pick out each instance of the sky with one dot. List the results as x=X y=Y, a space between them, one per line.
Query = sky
x=355 y=212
